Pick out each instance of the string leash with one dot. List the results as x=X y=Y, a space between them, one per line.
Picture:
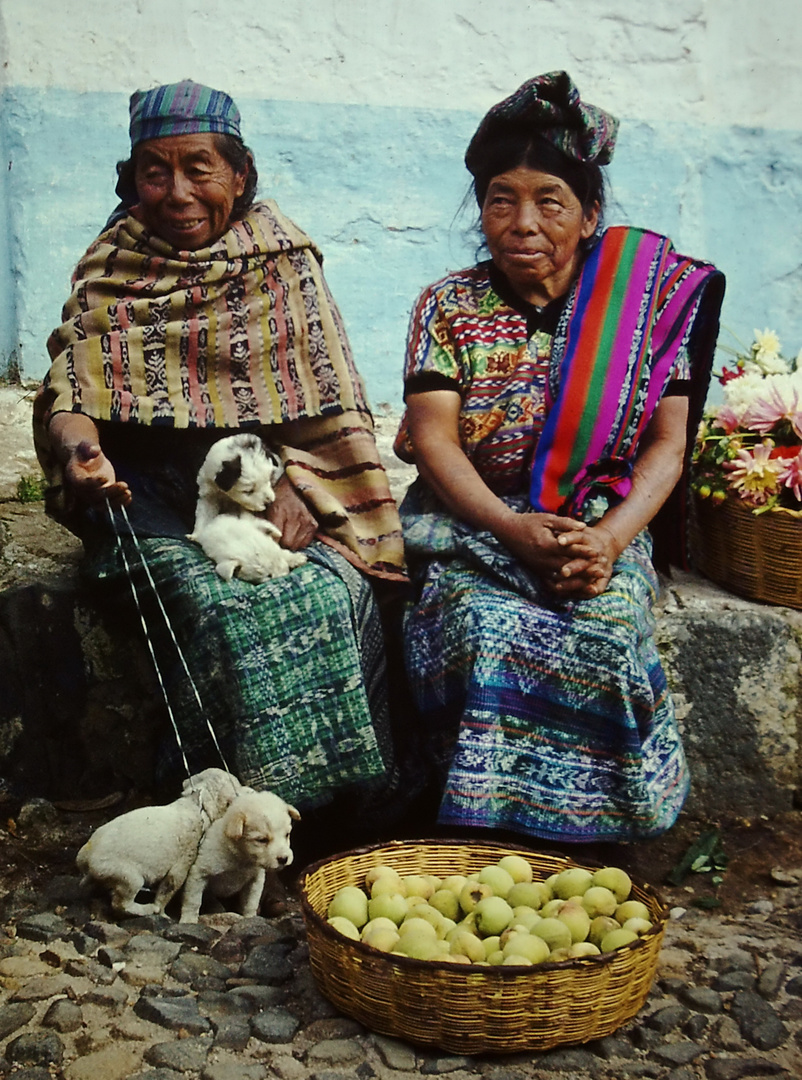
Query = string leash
x=144 y=564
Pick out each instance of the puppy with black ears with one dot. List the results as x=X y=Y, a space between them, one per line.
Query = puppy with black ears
x=235 y=484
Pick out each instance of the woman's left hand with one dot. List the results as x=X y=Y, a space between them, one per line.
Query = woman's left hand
x=292 y=516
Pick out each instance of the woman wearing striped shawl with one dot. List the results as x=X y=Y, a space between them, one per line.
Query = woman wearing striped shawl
x=551 y=395
x=195 y=314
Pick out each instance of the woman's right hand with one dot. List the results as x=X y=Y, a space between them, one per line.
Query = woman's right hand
x=88 y=472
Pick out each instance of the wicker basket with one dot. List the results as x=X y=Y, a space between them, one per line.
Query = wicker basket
x=471 y=1010
x=756 y=556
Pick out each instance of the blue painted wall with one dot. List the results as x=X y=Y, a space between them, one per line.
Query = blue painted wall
x=379 y=189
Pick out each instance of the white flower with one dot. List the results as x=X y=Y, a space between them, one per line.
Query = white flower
x=741 y=393
x=766 y=353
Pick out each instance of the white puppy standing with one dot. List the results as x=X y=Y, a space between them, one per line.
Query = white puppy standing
x=252 y=837
x=156 y=845
x=235 y=484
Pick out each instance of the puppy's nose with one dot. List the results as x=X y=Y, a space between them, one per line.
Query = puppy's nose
x=282 y=860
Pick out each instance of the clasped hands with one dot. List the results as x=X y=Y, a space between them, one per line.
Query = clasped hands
x=574 y=560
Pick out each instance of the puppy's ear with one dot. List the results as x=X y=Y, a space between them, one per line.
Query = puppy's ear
x=229 y=473
x=293 y=813
x=235 y=827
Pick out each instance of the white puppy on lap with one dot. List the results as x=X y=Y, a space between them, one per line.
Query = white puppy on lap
x=235 y=484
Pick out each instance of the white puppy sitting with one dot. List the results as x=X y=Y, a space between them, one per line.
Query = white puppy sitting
x=156 y=845
x=253 y=836
x=235 y=483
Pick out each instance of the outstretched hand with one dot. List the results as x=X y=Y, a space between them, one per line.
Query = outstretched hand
x=91 y=476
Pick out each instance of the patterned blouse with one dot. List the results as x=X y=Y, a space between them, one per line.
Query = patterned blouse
x=472 y=333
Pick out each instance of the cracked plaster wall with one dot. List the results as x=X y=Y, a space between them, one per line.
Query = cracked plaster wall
x=359 y=112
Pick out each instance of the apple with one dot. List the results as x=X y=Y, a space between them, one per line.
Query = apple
x=388 y=883
x=491 y=944
x=418 y=927
x=584 y=948
x=638 y=926
x=419 y=946
x=496 y=958
x=600 y=926
x=388 y=906
x=573 y=914
x=616 y=880
x=463 y=943
x=631 y=909
x=533 y=948
x=446 y=903
x=516 y=961
x=517 y=867
x=552 y=908
x=617 y=938
x=499 y=879
x=418 y=885
x=381 y=871
x=493 y=915
x=379 y=923
x=555 y=933
x=533 y=894
x=454 y=883
x=599 y=900
x=344 y=926
x=525 y=916
x=381 y=938
x=424 y=911
x=472 y=892
x=572 y=882
x=350 y=903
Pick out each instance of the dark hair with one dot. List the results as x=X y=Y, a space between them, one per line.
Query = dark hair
x=585 y=179
x=235 y=152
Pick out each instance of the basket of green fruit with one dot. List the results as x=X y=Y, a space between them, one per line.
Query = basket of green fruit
x=478 y=948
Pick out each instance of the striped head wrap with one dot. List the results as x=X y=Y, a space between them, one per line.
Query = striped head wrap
x=548 y=105
x=184 y=108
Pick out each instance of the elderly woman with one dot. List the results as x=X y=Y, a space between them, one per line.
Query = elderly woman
x=198 y=313
x=550 y=393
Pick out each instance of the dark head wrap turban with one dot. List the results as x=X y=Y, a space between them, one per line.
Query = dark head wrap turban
x=184 y=108
x=548 y=106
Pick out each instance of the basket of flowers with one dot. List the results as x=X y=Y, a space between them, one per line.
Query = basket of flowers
x=746 y=521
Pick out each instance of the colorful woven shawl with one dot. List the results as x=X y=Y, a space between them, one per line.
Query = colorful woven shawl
x=629 y=314
x=242 y=334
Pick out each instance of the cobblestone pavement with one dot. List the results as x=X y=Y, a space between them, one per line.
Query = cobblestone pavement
x=85 y=997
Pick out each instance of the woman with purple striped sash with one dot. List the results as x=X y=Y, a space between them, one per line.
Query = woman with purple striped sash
x=552 y=394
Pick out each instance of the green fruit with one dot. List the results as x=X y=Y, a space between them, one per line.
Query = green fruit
x=463 y=943
x=391 y=906
x=493 y=915
x=533 y=894
x=638 y=926
x=600 y=926
x=350 y=903
x=419 y=946
x=388 y=883
x=424 y=911
x=616 y=880
x=599 y=900
x=517 y=867
x=414 y=926
x=418 y=885
x=491 y=945
x=525 y=916
x=576 y=919
x=344 y=926
x=584 y=948
x=499 y=880
x=533 y=948
x=516 y=961
x=556 y=955
x=496 y=958
x=446 y=903
x=572 y=882
x=381 y=871
x=617 y=938
x=381 y=938
x=631 y=909
x=555 y=933
x=379 y=923
x=551 y=909
x=472 y=892
x=454 y=883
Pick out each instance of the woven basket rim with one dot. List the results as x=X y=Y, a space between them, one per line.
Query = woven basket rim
x=499 y=971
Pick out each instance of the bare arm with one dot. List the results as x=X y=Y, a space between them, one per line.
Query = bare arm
x=434 y=429
x=87 y=471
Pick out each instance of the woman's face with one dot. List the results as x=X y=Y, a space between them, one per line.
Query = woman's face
x=533 y=222
x=186 y=189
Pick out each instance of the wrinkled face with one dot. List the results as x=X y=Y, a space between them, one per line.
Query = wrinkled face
x=186 y=189
x=533 y=223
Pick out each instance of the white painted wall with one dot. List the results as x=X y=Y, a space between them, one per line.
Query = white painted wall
x=359 y=111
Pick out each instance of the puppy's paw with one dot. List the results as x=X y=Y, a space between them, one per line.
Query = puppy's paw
x=227 y=568
x=295 y=558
